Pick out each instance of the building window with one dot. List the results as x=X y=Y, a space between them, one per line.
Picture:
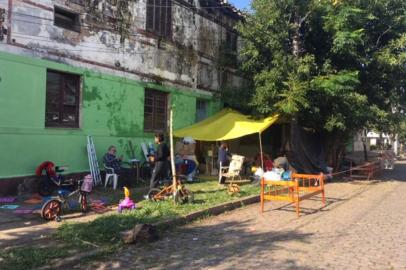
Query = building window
x=231 y=41
x=155 y=111
x=66 y=19
x=159 y=18
x=62 y=100
x=201 y=110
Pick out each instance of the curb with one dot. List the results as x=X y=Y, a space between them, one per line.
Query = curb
x=212 y=211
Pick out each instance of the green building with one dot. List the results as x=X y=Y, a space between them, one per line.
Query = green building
x=37 y=124
x=69 y=69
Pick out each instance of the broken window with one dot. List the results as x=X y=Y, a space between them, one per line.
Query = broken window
x=201 y=109
x=155 y=111
x=62 y=100
x=159 y=18
x=66 y=19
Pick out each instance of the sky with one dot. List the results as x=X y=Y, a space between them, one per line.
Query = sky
x=241 y=4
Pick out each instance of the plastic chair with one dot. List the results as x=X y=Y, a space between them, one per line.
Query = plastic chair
x=110 y=174
x=233 y=170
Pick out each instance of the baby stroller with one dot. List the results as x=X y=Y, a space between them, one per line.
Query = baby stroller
x=52 y=180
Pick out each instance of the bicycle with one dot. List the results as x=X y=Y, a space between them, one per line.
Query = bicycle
x=52 y=209
x=180 y=193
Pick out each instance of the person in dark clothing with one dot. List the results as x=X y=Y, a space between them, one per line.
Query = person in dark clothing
x=111 y=160
x=161 y=161
x=223 y=159
x=223 y=155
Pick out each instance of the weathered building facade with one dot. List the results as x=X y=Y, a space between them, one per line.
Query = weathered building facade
x=107 y=68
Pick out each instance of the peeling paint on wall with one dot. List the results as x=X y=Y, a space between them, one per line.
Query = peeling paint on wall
x=113 y=34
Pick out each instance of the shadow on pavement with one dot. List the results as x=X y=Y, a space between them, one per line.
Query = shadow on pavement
x=228 y=244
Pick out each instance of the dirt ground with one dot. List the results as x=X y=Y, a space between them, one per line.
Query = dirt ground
x=361 y=227
x=30 y=229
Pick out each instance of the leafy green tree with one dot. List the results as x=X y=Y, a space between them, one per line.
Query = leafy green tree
x=332 y=66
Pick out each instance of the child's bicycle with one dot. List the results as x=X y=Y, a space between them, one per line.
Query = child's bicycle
x=182 y=194
x=52 y=209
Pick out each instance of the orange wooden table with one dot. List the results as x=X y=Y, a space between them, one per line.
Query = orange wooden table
x=301 y=187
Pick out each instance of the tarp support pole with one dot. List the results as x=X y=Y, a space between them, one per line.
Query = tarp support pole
x=172 y=151
x=260 y=151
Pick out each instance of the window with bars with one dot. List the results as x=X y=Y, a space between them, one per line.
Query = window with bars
x=62 y=99
x=155 y=111
x=159 y=18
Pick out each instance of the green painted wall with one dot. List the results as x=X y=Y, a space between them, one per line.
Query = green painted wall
x=112 y=111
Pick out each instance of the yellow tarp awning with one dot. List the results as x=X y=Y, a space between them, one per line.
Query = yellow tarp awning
x=225 y=125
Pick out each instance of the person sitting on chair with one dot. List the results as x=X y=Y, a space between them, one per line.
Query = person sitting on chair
x=161 y=161
x=111 y=160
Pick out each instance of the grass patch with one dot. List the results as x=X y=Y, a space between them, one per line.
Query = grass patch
x=106 y=228
x=30 y=257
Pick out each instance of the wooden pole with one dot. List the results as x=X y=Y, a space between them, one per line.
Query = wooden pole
x=260 y=151
x=172 y=151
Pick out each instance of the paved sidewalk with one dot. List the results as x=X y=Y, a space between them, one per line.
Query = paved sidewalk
x=363 y=226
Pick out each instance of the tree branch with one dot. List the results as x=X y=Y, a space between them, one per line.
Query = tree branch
x=381 y=35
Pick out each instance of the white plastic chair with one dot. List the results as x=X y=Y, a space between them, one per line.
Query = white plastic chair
x=233 y=170
x=110 y=174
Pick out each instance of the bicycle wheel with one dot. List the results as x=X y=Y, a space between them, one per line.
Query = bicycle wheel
x=83 y=202
x=51 y=209
x=184 y=196
x=152 y=192
x=188 y=195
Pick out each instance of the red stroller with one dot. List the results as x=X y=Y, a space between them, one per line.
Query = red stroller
x=53 y=178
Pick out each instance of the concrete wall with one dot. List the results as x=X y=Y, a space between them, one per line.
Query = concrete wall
x=112 y=110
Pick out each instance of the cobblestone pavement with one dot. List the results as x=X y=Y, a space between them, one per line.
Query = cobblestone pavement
x=363 y=226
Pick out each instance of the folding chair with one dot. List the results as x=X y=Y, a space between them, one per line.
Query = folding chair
x=233 y=170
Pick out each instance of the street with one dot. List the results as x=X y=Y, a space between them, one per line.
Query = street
x=361 y=227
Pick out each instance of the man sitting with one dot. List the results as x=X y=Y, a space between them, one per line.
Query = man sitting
x=111 y=160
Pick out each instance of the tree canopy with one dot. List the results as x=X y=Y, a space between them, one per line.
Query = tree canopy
x=337 y=66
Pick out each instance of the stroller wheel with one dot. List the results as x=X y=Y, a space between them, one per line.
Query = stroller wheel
x=45 y=189
x=51 y=209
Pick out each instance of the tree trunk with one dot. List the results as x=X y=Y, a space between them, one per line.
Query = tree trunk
x=296 y=38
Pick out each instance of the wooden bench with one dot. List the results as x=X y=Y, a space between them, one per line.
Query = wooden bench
x=366 y=171
x=301 y=187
